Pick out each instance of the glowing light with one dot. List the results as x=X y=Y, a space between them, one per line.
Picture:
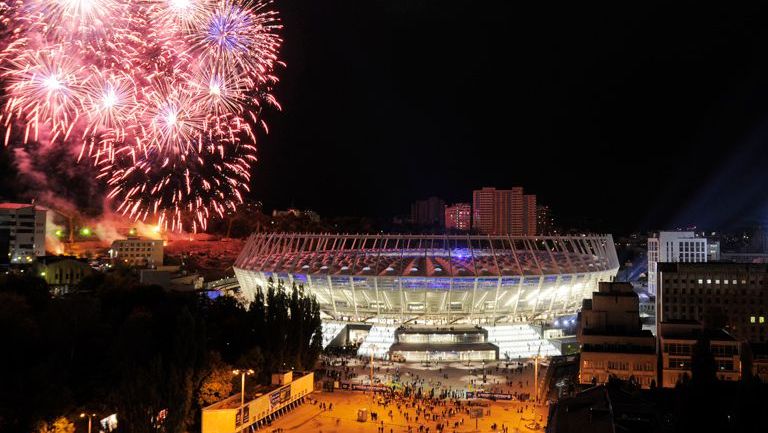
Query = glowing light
x=51 y=83
x=109 y=100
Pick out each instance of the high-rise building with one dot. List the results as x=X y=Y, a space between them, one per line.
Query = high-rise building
x=504 y=212
x=26 y=226
x=529 y=214
x=733 y=296
x=428 y=212
x=684 y=247
x=545 y=222
x=612 y=339
x=458 y=216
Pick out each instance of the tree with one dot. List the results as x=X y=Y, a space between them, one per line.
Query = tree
x=60 y=425
x=217 y=383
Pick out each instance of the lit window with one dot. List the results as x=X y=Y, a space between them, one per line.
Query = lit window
x=752 y=319
x=717 y=281
x=733 y=282
x=701 y=281
x=762 y=319
x=725 y=281
x=709 y=281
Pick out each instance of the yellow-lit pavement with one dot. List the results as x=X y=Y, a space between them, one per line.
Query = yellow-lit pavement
x=343 y=417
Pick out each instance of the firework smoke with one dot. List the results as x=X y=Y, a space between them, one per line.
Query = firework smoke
x=161 y=96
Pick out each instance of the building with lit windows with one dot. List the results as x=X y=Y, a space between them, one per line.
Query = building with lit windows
x=137 y=251
x=677 y=340
x=545 y=222
x=613 y=342
x=388 y=281
x=25 y=224
x=732 y=296
x=683 y=247
x=458 y=217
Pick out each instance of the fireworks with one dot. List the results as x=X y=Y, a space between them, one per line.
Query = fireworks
x=162 y=96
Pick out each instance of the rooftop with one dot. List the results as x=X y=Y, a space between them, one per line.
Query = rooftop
x=427 y=255
x=710 y=267
x=605 y=408
x=15 y=206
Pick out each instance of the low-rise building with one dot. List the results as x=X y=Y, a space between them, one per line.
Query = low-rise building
x=677 y=340
x=230 y=416
x=137 y=251
x=62 y=273
x=613 y=342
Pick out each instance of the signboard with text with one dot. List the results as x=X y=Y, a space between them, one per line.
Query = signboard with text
x=280 y=397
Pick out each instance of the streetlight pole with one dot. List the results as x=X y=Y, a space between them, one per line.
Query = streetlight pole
x=242 y=374
x=90 y=416
x=373 y=349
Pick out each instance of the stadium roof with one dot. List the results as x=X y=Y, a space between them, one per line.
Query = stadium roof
x=427 y=255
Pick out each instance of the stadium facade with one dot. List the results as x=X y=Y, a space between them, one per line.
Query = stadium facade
x=435 y=279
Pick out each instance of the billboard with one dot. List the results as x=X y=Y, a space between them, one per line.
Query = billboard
x=280 y=397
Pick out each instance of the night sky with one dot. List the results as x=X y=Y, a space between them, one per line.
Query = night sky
x=624 y=116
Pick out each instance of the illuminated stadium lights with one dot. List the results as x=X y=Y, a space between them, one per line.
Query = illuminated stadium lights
x=431 y=278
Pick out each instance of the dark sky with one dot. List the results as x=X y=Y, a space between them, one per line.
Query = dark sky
x=628 y=115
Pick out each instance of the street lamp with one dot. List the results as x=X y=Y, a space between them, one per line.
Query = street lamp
x=242 y=374
x=90 y=416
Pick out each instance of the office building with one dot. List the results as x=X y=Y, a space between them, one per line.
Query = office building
x=613 y=342
x=504 y=212
x=458 y=217
x=733 y=296
x=26 y=230
x=429 y=212
x=137 y=251
x=713 y=250
x=677 y=340
x=683 y=247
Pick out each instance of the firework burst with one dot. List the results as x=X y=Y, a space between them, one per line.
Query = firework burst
x=162 y=96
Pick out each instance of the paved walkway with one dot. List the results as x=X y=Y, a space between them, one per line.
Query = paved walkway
x=342 y=418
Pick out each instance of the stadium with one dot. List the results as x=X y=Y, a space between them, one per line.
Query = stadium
x=407 y=290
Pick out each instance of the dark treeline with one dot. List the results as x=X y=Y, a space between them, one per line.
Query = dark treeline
x=118 y=347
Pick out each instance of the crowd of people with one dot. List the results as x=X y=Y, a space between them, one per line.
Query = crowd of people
x=427 y=404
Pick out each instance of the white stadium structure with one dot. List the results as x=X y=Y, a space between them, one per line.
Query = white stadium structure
x=500 y=285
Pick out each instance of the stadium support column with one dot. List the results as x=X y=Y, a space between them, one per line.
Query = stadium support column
x=402 y=300
x=558 y=283
x=378 y=301
x=538 y=296
x=354 y=297
x=333 y=298
x=519 y=292
x=472 y=305
x=496 y=301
